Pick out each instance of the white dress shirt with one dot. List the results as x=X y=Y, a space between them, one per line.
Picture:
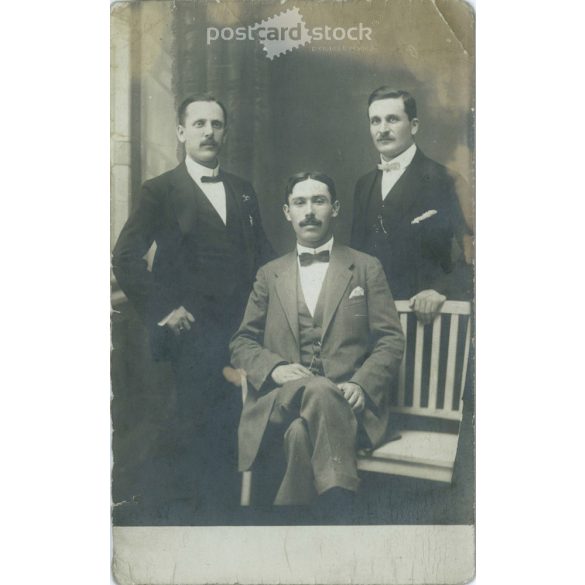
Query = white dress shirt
x=390 y=178
x=312 y=276
x=215 y=192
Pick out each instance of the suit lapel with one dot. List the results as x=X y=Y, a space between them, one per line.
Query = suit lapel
x=185 y=202
x=403 y=195
x=370 y=191
x=286 y=289
x=236 y=191
x=336 y=283
x=183 y=198
x=237 y=196
x=231 y=192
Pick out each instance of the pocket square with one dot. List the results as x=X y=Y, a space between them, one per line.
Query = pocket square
x=424 y=216
x=358 y=291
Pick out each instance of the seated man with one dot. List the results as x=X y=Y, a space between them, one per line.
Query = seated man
x=321 y=344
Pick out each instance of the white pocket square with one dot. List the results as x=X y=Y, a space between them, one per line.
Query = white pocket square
x=358 y=291
x=424 y=216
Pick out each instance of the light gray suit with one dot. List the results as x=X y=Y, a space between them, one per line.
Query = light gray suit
x=361 y=342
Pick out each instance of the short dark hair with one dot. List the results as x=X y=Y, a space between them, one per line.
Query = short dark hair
x=386 y=92
x=305 y=175
x=202 y=97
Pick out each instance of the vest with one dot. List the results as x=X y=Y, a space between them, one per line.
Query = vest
x=218 y=254
x=310 y=329
x=392 y=248
x=376 y=239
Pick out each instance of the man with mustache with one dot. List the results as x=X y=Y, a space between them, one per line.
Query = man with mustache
x=321 y=345
x=407 y=212
x=209 y=240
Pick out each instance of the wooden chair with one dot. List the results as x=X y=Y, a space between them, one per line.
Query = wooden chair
x=431 y=383
x=238 y=378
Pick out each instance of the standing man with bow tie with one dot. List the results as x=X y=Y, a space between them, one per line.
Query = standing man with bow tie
x=407 y=213
x=209 y=240
x=321 y=345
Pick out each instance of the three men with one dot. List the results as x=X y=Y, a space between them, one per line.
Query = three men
x=321 y=345
x=320 y=340
x=209 y=240
x=406 y=212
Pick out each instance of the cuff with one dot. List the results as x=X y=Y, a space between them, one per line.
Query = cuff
x=164 y=321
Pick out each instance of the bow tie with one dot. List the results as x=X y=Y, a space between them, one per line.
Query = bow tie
x=216 y=179
x=307 y=259
x=389 y=166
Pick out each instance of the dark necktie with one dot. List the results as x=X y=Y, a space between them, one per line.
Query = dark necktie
x=216 y=179
x=308 y=259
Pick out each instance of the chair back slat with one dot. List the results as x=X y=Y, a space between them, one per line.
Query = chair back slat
x=434 y=374
x=465 y=360
x=401 y=377
x=433 y=371
x=451 y=357
x=418 y=364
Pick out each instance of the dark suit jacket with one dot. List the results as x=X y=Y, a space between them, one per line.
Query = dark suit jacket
x=415 y=256
x=166 y=213
x=362 y=339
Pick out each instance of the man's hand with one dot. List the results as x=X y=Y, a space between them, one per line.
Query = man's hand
x=426 y=305
x=180 y=320
x=289 y=372
x=354 y=394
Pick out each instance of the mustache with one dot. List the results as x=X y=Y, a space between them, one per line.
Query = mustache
x=208 y=143
x=384 y=136
x=310 y=221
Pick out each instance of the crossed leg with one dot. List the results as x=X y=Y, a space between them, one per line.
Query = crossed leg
x=319 y=441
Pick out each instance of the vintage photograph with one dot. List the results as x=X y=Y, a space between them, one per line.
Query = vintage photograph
x=292 y=250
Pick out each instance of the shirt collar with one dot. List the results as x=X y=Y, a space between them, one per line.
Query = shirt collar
x=196 y=171
x=404 y=158
x=326 y=246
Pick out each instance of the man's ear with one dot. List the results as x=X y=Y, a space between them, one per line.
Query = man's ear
x=414 y=126
x=224 y=136
x=286 y=211
x=181 y=133
x=336 y=206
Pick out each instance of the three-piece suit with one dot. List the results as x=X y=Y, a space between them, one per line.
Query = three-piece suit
x=354 y=335
x=415 y=231
x=208 y=267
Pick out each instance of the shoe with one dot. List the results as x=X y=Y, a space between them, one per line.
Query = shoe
x=336 y=506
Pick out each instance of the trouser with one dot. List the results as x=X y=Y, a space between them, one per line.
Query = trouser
x=320 y=431
x=196 y=459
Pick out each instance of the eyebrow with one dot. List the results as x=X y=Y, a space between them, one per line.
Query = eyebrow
x=293 y=197
x=210 y=119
